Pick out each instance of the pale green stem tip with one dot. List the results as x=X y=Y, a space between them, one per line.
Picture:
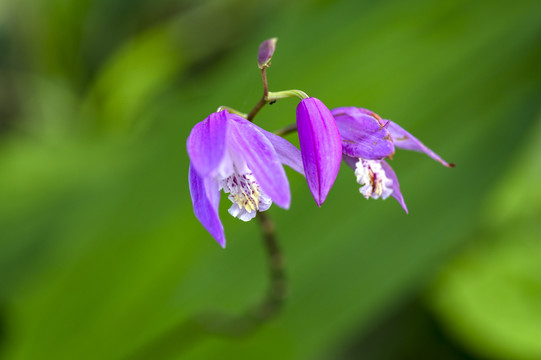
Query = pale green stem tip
x=285 y=94
x=232 y=111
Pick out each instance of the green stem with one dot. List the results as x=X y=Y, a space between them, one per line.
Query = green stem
x=286 y=130
x=231 y=110
x=269 y=97
x=272 y=96
x=263 y=101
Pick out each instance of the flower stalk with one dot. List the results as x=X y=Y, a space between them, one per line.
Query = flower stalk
x=232 y=111
x=194 y=329
x=278 y=284
x=270 y=97
x=291 y=128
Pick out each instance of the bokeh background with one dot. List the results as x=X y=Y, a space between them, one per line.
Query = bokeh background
x=101 y=255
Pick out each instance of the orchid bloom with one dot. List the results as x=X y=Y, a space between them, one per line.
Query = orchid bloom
x=228 y=152
x=366 y=141
x=321 y=147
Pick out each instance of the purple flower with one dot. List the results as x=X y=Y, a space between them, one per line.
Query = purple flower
x=366 y=141
x=321 y=147
x=228 y=152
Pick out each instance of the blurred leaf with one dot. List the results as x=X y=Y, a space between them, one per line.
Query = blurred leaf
x=148 y=64
x=135 y=74
x=490 y=297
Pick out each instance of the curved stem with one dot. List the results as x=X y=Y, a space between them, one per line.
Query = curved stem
x=265 y=82
x=263 y=101
x=278 y=285
x=192 y=330
x=271 y=97
x=231 y=110
x=286 y=130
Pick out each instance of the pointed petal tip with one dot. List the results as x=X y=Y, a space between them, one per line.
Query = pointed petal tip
x=205 y=196
x=400 y=199
x=319 y=199
x=404 y=140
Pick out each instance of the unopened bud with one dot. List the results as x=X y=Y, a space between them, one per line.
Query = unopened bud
x=266 y=49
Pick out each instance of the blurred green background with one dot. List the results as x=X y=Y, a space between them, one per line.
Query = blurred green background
x=100 y=253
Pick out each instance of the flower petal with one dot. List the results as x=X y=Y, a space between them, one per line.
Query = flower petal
x=321 y=147
x=206 y=143
x=389 y=172
x=350 y=161
x=205 y=195
x=246 y=139
x=362 y=135
x=404 y=140
x=287 y=153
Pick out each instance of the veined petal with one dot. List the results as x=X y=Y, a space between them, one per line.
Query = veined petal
x=206 y=143
x=362 y=135
x=205 y=195
x=287 y=153
x=404 y=140
x=247 y=140
x=350 y=161
x=389 y=172
x=321 y=147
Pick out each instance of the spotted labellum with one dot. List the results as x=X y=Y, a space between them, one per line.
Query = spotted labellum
x=366 y=141
x=227 y=152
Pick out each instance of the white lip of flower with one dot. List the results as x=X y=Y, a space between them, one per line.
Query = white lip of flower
x=246 y=196
x=371 y=176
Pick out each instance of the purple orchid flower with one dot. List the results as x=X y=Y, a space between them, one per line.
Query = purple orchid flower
x=321 y=147
x=366 y=141
x=228 y=152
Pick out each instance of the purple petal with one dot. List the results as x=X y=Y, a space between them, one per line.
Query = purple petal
x=205 y=195
x=373 y=114
x=350 y=161
x=262 y=159
x=321 y=147
x=362 y=135
x=404 y=140
x=396 y=187
x=206 y=143
x=287 y=153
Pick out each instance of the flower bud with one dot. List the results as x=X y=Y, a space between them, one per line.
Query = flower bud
x=266 y=49
x=321 y=147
